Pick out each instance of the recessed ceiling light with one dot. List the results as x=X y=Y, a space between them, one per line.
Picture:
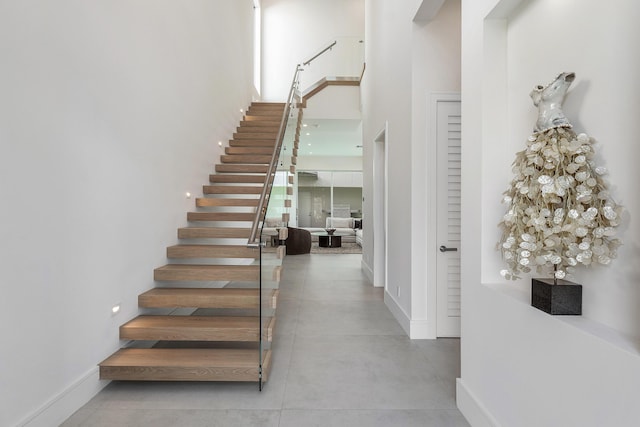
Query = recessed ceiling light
x=309 y=144
x=308 y=134
x=304 y=125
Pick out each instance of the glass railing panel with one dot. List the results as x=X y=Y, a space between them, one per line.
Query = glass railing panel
x=273 y=234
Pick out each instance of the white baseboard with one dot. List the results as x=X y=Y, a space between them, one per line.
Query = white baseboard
x=368 y=271
x=421 y=330
x=64 y=404
x=398 y=312
x=472 y=409
x=415 y=329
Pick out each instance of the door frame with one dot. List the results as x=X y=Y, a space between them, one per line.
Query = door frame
x=380 y=208
x=433 y=99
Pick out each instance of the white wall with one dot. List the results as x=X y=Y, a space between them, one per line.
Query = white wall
x=110 y=112
x=295 y=30
x=406 y=61
x=386 y=98
x=521 y=366
x=329 y=163
x=436 y=70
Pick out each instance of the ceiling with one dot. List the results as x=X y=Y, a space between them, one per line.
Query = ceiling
x=331 y=137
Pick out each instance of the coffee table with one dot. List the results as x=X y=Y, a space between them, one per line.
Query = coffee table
x=326 y=240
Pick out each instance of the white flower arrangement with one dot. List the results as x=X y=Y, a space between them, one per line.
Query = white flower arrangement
x=560 y=214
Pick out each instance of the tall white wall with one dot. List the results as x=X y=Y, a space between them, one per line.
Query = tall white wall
x=436 y=70
x=110 y=112
x=521 y=366
x=386 y=101
x=407 y=59
x=295 y=30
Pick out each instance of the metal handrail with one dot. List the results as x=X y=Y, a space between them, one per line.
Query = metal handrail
x=308 y=61
x=273 y=165
x=268 y=181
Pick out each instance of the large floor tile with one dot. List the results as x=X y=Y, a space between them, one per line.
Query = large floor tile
x=372 y=418
x=173 y=417
x=353 y=317
x=363 y=372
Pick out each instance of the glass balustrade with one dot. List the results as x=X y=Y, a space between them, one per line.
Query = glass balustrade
x=343 y=57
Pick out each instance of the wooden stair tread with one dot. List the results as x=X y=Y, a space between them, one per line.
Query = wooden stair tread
x=256 y=135
x=252 y=143
x=207 y=298
x=260 y=123
x=212 y=251
x=191 y=272
x=196 y=328
x=264 y=128
x=203 y=202
x=213 y=233
x=270 y=113
x=232 y=189
x=255 y=179
x=185 y=364
x=239 y=168
x=246 y=158
x=221 y=216
x=266 y=151
x=268 y=104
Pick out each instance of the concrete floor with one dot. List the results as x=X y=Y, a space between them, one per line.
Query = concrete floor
x=340 y=359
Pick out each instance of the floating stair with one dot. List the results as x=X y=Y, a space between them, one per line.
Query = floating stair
x=230 y=168
x=213 y=233
x=206 y=298
x=211 y=251
x=196 y=328
x=236 y=179
x=194 y=272
x=219 y=340
x=251 y=143
x=203 y=202
x=184 y=364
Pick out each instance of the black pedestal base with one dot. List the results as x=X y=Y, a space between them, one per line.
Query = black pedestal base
x=565 y=298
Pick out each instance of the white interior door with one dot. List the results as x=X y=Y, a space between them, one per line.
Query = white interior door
x=448 y=137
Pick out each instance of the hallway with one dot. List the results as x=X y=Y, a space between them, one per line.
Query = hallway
x=340 y=359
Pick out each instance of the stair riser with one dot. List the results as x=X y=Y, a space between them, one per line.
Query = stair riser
x=220 y=216
x=204 y=275
x=243 y=303
x=237 y=179
x=252 y=143
x=216 y=298
x=213 y=233
x=216 y=202
x=242 y=159
x=231 y=168
x=179 y=374
x=232 y=189
x=260 y=123
x=203 y=251
x=256 y=135
x=271 y=115
x=258 y=129
x=266 y=151
x=182 y=334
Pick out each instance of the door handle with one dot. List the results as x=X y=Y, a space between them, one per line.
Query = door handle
x=446 y=249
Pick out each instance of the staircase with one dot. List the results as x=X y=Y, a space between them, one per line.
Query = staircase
x=214 y=276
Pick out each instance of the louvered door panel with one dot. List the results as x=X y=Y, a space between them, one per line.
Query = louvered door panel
x=448 y=135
